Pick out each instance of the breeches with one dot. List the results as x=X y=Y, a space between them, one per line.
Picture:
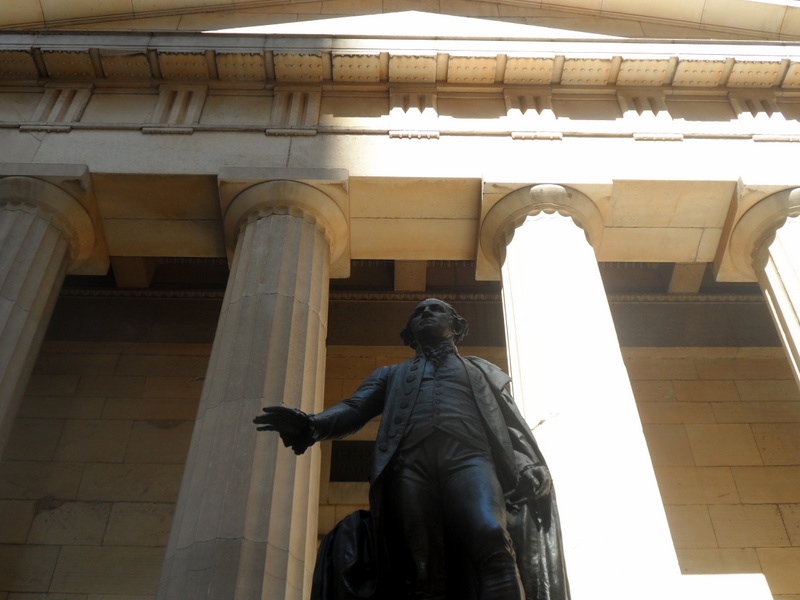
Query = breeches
x=446 y=489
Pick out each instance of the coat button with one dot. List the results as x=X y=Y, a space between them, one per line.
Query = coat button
x=398 y=420
x=383 y=447
x=410 y=378
x=404 y=405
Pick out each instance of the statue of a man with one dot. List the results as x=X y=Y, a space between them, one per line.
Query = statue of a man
x=461 y=499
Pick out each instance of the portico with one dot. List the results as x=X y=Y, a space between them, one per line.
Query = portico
x=294 y=155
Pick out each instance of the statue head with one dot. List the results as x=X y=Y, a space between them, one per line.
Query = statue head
x=433 y=321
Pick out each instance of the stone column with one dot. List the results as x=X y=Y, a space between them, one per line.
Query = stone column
x=765 y=245
x=43 y=230
x=245 y=525
x=571 y=383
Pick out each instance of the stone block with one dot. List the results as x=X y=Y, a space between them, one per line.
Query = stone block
x=173 y=387
x=167 y=349
x=15 y=520
x=768 y=485
x=697 y=561
x=333 y=391
x=696 y=485
x=757 y=412
x=24 y=480
x=130 y=482
x=350 y=367
x=47 y=384
x=58 y=407
x=743 y=368
x=93 y=440
x=326 y=519
x=69 y=523
x=779 y=565
x=351 y=492
x=111 y=597
x=409 y=239
x=159 y=441
x=33 y=439
x=48 y=596
x=237 y=109
x=690 y=526
x=679 y=244
x=171 y=409
x=468 y=8
x=705 y=391
x=779 y=443
x=748 y=526
x=781 y=390
x=668 y=445
x=107 y=570
x=139 y=524
x=111 y=386
x=640 y=369
x=161 y=365
x=69 y=363
x=27 y=568
x=653 y=391
x=791 y=520
x=723 y=445
x=675 y=412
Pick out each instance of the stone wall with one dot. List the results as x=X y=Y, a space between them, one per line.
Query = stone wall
x=723 y=429
x=90 y=477
x=91 y=474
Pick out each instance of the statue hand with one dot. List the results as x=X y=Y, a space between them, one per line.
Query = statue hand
x=294 y=426
x=534 y=483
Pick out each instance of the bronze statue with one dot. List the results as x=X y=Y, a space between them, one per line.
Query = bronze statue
x=461 y=501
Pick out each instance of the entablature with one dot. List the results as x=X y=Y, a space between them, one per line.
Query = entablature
x=302 y=85
x=270 y=59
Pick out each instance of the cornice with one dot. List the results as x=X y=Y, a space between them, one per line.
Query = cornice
x=313 y=60
x=754 y=18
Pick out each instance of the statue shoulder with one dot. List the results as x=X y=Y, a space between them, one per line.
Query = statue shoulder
x=484 y=364
x=491 y=371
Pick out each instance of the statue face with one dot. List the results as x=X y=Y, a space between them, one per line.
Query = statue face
x=430 y=322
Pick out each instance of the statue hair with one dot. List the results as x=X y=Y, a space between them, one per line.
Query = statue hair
x=458 y=324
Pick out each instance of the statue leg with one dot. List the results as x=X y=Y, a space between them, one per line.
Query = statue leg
x=476 y=514
x=415 y=509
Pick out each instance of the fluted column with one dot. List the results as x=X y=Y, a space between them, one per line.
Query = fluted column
x=765 y=244
x=43 y=230
x=569 y=378
x=245 y=525
x=570 y=381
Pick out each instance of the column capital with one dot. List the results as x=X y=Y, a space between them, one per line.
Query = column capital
x=63 y=210
x=512 y=209
x=250 y=194
x=758 y=225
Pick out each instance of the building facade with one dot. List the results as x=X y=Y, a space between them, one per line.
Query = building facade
x=196 y=223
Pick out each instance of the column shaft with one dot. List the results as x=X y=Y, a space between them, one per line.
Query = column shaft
x=34 y=254
x=569 y=378
x=779 y=278
x=246 y=501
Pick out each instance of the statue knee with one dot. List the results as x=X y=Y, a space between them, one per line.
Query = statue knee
x=492 y=546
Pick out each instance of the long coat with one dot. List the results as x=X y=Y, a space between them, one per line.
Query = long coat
x=392 y=391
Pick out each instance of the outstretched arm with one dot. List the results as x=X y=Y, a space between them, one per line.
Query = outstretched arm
x=294 y=426
x=299 y=430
